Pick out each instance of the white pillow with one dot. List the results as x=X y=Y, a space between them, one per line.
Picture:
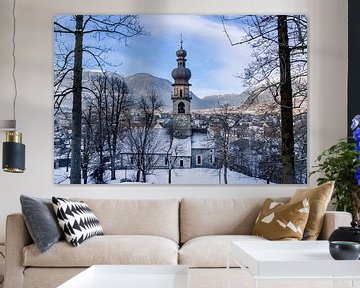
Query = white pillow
x=77 y=220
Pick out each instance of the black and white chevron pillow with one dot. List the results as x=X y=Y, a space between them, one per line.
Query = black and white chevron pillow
x=77 y=220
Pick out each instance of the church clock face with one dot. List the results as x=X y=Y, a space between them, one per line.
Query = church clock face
x=182 y=120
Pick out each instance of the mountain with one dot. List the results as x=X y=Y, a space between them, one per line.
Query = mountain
x=143 y=83
x=231 y=99
x=254 y=97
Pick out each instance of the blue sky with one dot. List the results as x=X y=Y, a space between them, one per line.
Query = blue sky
x=214 y=63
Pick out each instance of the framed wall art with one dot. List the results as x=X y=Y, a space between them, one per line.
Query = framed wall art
x=180 y=99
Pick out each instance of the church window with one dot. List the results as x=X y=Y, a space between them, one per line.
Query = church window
x=131 y=160
x=212 y=159
x=181 y=163
x=166 y=161
x=181 y=107
x=198 y=160
x=181 y=93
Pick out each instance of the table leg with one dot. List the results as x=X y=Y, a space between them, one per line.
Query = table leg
x=228 y=270
x=355 y=283
x=255 y=283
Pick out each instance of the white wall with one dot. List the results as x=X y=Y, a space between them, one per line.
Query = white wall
x=34 y=39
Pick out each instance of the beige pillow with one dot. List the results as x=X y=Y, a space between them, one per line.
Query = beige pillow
x=279 y=221
x=319 y=198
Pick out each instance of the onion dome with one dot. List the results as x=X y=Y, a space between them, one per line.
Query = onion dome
x=181 y=53
x=181 y=74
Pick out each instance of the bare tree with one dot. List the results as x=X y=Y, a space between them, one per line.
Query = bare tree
x=62 y=140
x=223 y=124
x=269 y=141
x=173 y=150
x=279 y=68
x=117 y=108
x=142 y=137
x=75 y=28
x=300 y=147
x=88 y=145
x=98 y=88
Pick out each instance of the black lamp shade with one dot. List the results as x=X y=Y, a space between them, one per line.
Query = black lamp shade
x=13 y=157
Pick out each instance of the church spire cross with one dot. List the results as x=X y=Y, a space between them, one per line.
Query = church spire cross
x=181 y=41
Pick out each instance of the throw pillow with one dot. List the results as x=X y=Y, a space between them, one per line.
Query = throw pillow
x=41 y=222
x=279 y=221
x=319 y=198
x=77 y=220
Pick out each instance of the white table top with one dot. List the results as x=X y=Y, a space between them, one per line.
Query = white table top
x=291 y=259
x=131 y=276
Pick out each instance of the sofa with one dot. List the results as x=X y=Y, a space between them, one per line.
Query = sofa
x=190 y=231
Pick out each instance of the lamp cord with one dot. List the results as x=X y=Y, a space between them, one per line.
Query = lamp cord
x=14 y=60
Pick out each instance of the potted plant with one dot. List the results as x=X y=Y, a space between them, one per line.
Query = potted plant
x=341 y=163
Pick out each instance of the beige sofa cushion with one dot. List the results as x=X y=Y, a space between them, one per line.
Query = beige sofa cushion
x=211 y=251
x=158 y=217
x=49 y=277
x=333 y=220
x=107 y=249
x=200 y=217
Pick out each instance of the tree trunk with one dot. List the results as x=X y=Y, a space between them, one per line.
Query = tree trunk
x=143 y=176
x=225 y=174
x=75 y=173
x=112 y=150
x=287 y=133
x=169 y=176
x=143 y=168
x=355 y=203
x=138 y=172
x=99 y=171
x=68 y=160
x=113 y=170
x=84 y=174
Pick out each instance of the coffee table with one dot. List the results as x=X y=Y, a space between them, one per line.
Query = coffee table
x=131 y=276
x=293 y=260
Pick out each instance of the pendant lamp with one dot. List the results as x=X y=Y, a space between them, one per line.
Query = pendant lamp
x=13 y=158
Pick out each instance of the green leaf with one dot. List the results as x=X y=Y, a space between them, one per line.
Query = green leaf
x=338 y=163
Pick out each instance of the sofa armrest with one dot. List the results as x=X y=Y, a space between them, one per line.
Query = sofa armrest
x=333 y=220
x=17 y=237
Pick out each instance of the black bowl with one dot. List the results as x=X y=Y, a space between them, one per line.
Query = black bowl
x=344 y=250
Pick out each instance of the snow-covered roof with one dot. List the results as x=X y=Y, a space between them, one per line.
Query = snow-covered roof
x=180 y=147
x=201 y=140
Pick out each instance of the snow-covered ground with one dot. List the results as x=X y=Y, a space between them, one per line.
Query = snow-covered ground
x=160 y=176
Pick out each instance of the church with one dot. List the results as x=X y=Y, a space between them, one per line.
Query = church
x=200 y=152
x=186 y=146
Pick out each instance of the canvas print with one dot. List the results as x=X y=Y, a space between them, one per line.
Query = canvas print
x=180 y=99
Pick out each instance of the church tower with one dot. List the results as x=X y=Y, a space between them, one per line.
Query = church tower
x=181 y=96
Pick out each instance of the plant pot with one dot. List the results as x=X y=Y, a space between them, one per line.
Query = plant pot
x=344 y=250
x=351 y=233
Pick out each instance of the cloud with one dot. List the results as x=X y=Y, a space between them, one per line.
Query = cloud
x=212 y=60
